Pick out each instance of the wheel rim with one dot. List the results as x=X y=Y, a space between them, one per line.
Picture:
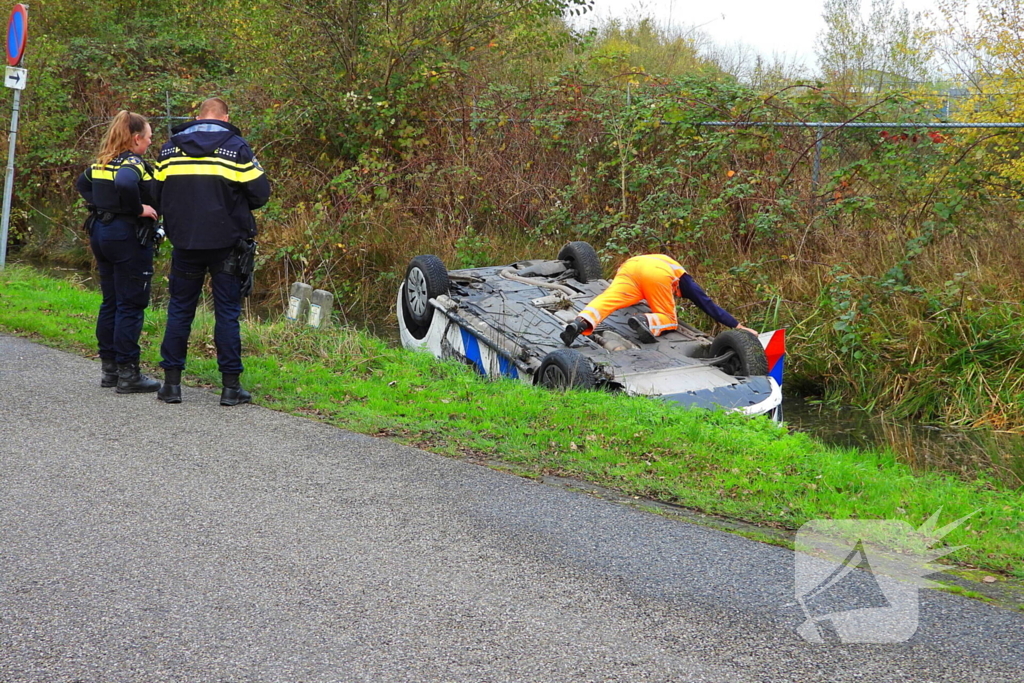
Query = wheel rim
x=416 y=293
x=554 y=377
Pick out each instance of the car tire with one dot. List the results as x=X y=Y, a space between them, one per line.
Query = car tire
x=748 y=359
x=566 y=369
x=425 y=278
x=582 y=258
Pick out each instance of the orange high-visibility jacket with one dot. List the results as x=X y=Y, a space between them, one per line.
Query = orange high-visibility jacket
x=654 y=277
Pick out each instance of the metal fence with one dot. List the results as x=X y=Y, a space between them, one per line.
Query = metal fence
x=824 y=130
x=826 y=147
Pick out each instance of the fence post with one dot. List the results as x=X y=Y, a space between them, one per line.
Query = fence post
x=816 y=171
x=167 y=101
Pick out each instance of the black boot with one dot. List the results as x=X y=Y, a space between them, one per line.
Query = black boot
x=643 y=332
x=131 y=381
x=232 y=394
x=109 y=377
x=573 y=330
x=170 y=392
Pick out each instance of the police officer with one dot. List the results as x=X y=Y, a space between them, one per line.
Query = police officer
x=208 y=184
x=118 y=189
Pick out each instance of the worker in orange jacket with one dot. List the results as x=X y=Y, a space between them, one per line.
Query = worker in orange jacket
x=658 y=279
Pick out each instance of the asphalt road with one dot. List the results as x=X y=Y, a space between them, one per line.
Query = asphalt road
x=146 y=542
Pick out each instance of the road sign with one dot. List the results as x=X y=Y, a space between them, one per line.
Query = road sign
x=17 y=34
x=16 y=78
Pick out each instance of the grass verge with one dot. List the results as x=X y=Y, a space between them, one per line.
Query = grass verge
x=721 y=464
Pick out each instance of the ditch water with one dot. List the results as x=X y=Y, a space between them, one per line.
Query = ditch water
x=964 y=453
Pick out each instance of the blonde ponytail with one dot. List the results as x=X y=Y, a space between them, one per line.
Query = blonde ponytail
x=118 y=137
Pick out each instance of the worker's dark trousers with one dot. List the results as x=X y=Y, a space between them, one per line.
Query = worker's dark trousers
x=188 y=272
x=126 y=270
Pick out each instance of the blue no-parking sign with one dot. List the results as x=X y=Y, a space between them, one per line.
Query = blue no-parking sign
x=17 y=34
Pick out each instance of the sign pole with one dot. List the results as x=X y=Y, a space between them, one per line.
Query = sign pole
x=5 y=220
x=15 y=77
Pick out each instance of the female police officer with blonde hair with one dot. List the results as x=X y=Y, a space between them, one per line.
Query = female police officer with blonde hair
x=118 y=190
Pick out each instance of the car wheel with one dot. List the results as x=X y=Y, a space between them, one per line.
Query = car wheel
x=582 y=258
x=748 y=359
x=425 y=278
x=566 y=369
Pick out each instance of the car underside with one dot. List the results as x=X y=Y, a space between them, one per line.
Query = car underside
x=506 y=320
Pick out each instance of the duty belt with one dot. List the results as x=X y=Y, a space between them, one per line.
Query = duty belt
x=107 y=216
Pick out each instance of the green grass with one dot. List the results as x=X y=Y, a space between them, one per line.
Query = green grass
x=957 y=590
x=728 y=465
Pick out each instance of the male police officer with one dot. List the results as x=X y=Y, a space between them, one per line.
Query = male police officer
x=208 y=184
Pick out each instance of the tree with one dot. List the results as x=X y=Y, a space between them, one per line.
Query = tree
x=640 y=45
x=889 y=50
x=984 y=45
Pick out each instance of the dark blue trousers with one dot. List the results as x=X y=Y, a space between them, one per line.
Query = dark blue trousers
x=126 y=270
x=188 y=272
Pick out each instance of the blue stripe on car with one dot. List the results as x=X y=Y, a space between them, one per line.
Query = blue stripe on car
x=776 y=372
x=472 y=348
x=507 y=368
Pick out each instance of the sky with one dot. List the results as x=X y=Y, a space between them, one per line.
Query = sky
x=785 y=28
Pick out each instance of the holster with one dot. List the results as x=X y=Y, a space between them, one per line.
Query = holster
x=90 y=221
x=242 y=263
x=145 y=231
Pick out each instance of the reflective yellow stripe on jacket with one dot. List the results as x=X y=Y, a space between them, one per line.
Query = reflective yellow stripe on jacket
x=97 y=172
x=108 y=171
x=207 y=166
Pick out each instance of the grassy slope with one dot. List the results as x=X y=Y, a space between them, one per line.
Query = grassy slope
x=721 y=464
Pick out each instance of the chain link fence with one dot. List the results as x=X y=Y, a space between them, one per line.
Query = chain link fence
x=833 y=150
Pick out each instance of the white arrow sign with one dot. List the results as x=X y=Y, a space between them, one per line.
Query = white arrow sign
x=16 y=78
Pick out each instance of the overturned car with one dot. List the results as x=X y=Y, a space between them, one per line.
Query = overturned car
x=506 y=320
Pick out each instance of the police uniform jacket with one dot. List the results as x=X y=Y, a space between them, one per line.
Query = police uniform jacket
x=120 y=187
x=208 y=183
